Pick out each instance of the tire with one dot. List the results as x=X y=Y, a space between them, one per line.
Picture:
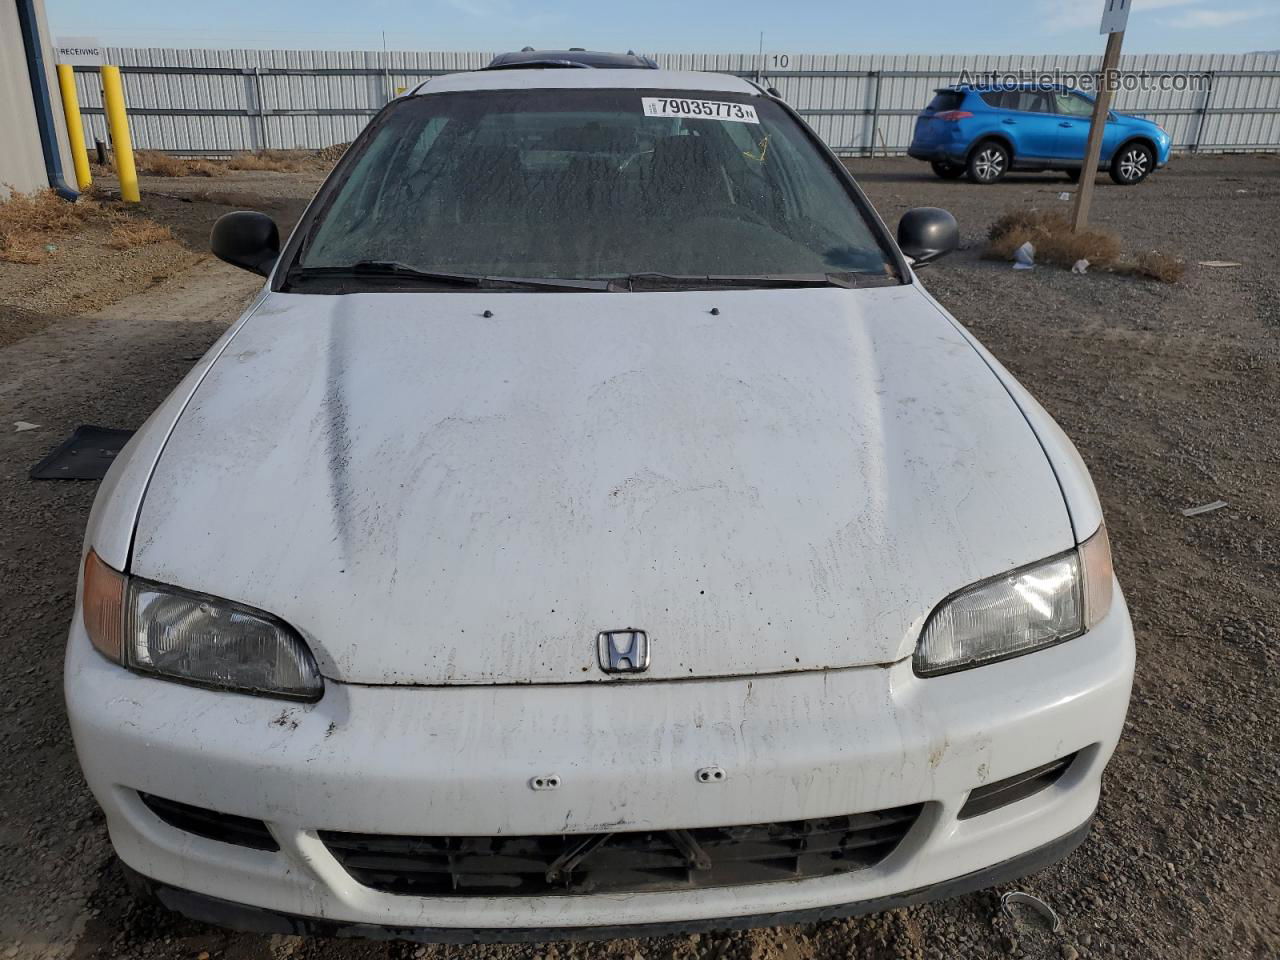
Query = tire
x=1132 y=164
x=988 y=162
x=1073 y=175
x=947 y=171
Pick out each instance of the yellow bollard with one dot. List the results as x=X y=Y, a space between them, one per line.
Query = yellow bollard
x=118 y=123
x=75 y=125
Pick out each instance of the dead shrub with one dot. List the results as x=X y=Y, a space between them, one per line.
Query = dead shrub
x=332 y=153
x=281 y=161
x=138 y=233
x=153 y=163
x=1055 y=242
x=1159 y=266
x=30 y=222
x=156 y=163
x=203 y=168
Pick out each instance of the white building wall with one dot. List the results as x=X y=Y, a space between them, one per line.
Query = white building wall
x=21 y=158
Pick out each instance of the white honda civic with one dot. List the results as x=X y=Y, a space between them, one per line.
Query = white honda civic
x=592 y=527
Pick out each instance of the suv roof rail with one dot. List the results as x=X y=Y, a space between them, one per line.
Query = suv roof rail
x=575 y=57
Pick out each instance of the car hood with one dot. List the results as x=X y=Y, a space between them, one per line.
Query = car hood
x=1133 y=118
x=764 y=481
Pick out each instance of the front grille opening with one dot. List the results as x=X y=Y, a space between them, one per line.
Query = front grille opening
x=992 y=796
x=223 y=827
x=650 y=860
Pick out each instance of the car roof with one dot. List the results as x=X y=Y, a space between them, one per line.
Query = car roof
x=986 y=87
x=583 y=79
x=530 y=58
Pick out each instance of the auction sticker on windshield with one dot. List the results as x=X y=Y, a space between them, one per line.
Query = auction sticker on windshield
x=701 y=109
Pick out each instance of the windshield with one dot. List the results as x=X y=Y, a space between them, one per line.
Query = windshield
x=590 y=184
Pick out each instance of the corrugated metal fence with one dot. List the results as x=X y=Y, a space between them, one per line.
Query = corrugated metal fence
x=215 y=101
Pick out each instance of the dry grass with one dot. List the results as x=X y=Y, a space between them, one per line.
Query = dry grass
x=155 y=163
x=1055 y=242
x=1052 y=236
x=332 y=153
x=282 y=161
x=34 y=225
x=29 y=223
x=138 y=233
x=1159 y=266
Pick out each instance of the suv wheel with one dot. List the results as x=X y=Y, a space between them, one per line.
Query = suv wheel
x=1132 y=164
x=988 y=162
x=947 y=171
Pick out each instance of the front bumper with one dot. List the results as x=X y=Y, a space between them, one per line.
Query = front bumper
x=249 y=919
x=460 y=760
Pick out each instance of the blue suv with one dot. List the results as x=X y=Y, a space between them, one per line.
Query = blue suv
x=983 y=132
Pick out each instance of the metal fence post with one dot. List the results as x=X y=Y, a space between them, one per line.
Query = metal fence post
x=875 y=114
x=262 y=109
x=1204 y=113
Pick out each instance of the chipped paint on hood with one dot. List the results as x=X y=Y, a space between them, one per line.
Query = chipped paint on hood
x=433 y=496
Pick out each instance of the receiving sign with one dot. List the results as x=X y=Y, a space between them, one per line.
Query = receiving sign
x=80 y=51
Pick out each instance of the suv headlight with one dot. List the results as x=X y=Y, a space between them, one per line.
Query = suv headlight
x=190 y=637
x=1025 y=610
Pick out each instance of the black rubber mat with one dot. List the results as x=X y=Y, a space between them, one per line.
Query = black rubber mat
x=86 y=455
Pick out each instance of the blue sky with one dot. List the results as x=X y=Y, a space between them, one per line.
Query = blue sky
x=799 y=26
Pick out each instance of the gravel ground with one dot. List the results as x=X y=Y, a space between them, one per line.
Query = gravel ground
x=1171 y=392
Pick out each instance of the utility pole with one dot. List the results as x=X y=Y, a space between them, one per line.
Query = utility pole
x=1115 y=16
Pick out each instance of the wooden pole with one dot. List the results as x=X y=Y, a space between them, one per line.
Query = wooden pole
x=1101 y=107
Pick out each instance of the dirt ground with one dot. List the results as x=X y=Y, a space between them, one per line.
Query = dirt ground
x=1171 y=392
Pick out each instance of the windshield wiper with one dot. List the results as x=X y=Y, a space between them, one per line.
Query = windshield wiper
x=673 y=281
x=395 y=270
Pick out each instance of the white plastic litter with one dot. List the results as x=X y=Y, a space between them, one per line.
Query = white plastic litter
x=1064 y=195
x=1204 y=508
x=1017 y=898
x=1219 y=263
x=1080 y=266
x=20 y=426
x=1024 y=258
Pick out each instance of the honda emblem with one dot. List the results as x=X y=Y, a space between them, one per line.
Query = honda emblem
x=623 y=651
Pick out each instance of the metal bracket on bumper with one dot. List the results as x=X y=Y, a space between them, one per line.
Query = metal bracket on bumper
x=249 y=919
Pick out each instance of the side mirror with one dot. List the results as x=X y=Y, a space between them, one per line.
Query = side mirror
x=247 y=240
x=927 y=233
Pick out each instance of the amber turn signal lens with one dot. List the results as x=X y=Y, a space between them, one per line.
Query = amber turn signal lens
x=1095 y=558
x=103 y=602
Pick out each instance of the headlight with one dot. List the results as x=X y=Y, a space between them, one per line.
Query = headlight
x=151 y=628
x=1028 y=609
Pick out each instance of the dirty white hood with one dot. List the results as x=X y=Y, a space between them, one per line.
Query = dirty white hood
x=432 y=496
